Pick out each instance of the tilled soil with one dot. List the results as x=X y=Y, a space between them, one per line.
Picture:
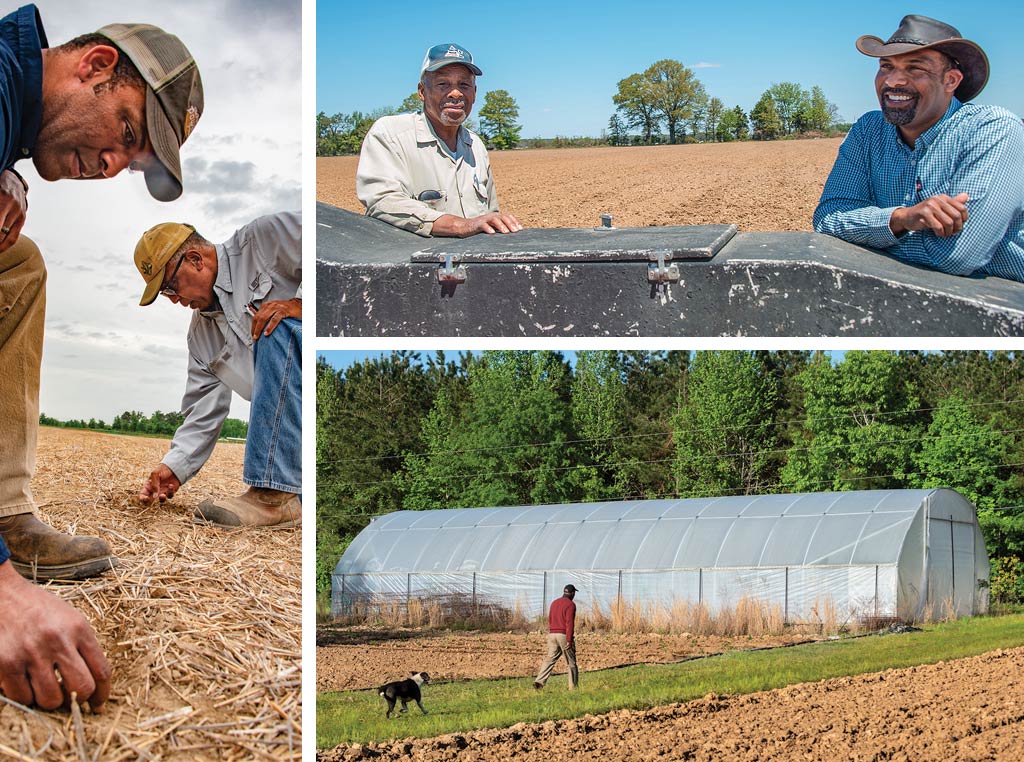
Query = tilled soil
x=966 y=709
x=759 y=186
x=349 y=659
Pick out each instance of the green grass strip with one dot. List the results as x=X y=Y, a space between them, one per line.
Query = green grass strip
x=358 y=716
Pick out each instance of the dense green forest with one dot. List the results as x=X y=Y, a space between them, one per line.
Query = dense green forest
x=415 y=432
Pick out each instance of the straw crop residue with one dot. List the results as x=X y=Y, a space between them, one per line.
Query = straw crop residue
x=202 y=627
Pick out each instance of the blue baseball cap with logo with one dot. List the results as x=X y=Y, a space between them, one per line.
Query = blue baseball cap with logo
x=448 y=53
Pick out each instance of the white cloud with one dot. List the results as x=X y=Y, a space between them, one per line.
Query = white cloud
x=104 y=354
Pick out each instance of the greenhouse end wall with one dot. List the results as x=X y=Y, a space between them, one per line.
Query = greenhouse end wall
x=907 y=554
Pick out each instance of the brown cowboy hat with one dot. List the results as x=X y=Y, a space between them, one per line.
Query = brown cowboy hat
x=920 y=33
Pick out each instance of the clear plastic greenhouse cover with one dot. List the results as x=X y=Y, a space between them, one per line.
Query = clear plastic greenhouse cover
x=908 y=554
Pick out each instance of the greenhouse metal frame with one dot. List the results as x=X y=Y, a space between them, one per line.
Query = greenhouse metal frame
x=911 y=555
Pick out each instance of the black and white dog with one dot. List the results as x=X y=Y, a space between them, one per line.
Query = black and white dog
x=404 y=691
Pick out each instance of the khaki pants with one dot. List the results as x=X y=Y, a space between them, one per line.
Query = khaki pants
x=558 y=646
x=22 y=309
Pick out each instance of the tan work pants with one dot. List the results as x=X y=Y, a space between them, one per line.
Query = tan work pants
x=22 y=309
x=559 y=646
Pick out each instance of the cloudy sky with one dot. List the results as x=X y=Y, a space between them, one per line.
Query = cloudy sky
x=103 y=354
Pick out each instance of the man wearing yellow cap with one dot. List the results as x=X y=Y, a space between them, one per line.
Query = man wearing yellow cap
x=126 y=96
x=245 y=337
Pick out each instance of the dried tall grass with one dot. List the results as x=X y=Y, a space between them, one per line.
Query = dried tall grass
x=202 y=626
x=747 y=617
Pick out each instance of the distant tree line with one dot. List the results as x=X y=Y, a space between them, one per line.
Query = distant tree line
x=508 y=428
x=668 y=96
x=343 y=134
x=136 y=422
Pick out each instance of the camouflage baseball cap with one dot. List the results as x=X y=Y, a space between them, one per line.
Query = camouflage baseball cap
x=154 y=250
x=174 y=97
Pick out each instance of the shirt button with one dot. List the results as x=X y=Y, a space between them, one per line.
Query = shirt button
x=907 y=197
x=24 y=152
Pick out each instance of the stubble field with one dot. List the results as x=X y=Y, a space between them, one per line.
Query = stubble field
x=202 y=626
x=759 y=186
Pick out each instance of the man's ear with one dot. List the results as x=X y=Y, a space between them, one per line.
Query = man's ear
x=97 y=63
x=952 y=80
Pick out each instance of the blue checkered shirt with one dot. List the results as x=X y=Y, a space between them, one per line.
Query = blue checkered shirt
x=977 y=150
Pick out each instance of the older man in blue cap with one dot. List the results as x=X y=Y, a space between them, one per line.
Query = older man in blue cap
x=425 y=172
x=930 y=178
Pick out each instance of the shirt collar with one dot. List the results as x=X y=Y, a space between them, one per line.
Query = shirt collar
x=425 y=134
x=31 y=39
x=928 y=136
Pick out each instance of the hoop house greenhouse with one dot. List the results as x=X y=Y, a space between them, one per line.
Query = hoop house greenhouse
x=908 y=554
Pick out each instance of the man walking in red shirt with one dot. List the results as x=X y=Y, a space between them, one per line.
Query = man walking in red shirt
x=561 y=619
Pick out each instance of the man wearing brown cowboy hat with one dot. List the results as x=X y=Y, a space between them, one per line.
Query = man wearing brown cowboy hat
x=126 y=96
x=932 y=179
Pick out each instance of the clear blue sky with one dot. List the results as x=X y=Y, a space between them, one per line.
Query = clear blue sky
x=341 y=359
x=561 y=61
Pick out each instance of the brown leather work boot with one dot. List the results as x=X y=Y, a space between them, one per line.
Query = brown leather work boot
x=38 y=551
x=257 y=507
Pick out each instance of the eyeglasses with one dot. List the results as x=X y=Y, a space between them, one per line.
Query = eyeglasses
x=171 y=289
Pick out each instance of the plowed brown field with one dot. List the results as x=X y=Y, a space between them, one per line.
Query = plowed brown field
x=759 y=186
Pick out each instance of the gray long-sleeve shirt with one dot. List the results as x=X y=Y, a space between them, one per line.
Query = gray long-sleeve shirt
x=261 y=262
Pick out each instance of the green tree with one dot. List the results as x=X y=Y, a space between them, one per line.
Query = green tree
x=498 y=120
x=733 y=125
x=765 y=119
x=861 y=426
x=677 y=94
x=617 y=135
x=412 y=104
x=367 y=417
x=598 y=406
x=790 y=100
x=724 y=431
x=507 y=444
x=635 y=100
x=713 y=119
x=820 y=114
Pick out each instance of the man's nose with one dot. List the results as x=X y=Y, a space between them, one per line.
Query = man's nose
x=113 y=161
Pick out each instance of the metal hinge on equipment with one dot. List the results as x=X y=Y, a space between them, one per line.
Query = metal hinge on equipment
x=662 y=270
x=449 y=272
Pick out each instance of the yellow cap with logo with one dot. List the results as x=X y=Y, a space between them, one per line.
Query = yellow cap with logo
x=154 y=250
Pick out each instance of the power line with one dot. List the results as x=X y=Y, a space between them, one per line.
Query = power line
x=704 y=430
x=563 y=469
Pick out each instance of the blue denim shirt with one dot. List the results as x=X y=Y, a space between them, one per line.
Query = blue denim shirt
x=978 y=150
x=21 y=83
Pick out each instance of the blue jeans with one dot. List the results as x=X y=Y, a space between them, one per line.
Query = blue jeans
x=273 y=448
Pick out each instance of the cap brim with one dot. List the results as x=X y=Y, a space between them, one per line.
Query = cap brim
x=441 y=64
x=163 y=177
x=153 y=288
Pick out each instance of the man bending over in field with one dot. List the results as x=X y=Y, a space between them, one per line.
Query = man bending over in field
x=128 y=95
x=246 y=337
x=425 y=172
x=930 y=178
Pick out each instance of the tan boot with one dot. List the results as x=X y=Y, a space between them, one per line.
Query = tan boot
x=257 y=507
x=38 y=551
